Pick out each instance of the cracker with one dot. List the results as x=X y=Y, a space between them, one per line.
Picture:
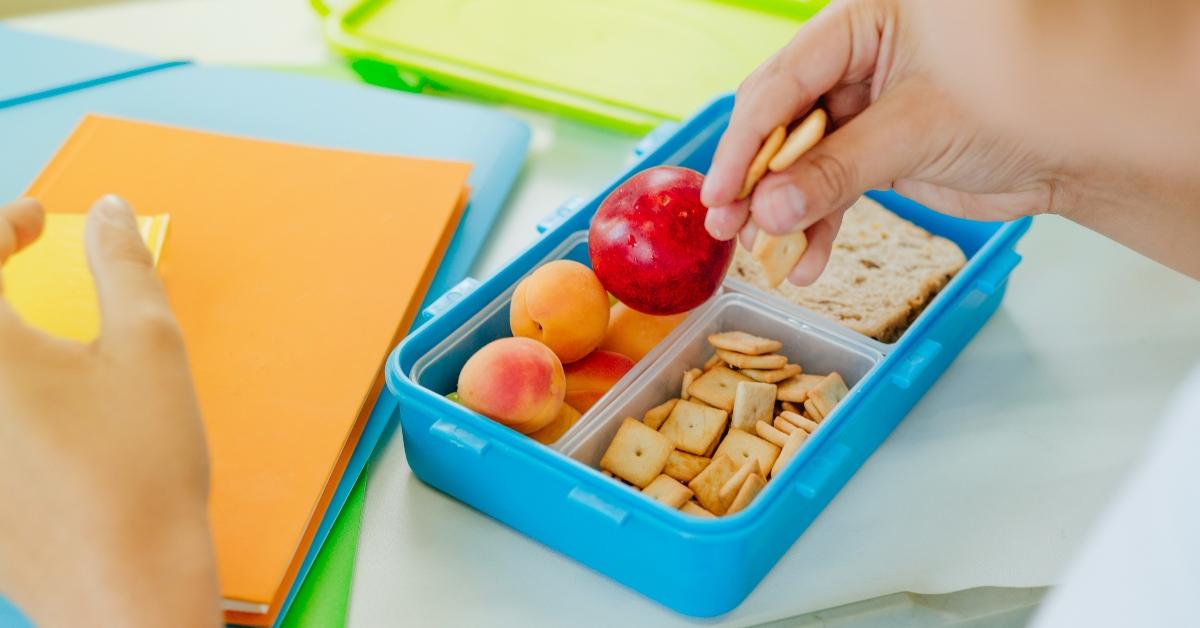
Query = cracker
x=637 y=454
x=814 y=413
x=784 y=426
x=689 y=377
x=758 y=166
x=743 y=361
x=741 y=446
x=772 y=376
x=767 y=432
x=778 y=254
x=791 y=407
x=717 y=387
x=752 y=402
x=794 y=442
x=730 y=488
x=655 y=416
x=802 y=138
x=742 y=342
x=694 y=509
x=750 y=489
x=607 y=473
x=669 y=491
x=795 y=389
x=801 y=422
x=707 y=485
x=713 y=361
x=684 y=466
x=712 y=449
x=693 y=427
x=828 y=393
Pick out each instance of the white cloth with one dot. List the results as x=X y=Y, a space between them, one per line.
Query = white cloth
x=1141 y=565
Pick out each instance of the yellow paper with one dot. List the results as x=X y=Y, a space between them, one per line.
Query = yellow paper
x=49 y=283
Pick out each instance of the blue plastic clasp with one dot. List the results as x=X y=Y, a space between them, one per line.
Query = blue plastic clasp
x=595 y=503
x=821 y=471
x=561 y=214
x=654 y=139
x=447 y=300
x=458 y=437
x=909 y=370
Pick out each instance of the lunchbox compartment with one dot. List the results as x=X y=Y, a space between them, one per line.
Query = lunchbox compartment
x=438 y=369
x=807 y=340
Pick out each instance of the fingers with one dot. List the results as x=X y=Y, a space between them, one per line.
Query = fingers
x=820 y=245
x=838 y=44
x=133 y=304
x=723 y=223
x=880 y=145
x=21 y=223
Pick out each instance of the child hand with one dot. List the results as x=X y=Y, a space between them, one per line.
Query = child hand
x=103 y=468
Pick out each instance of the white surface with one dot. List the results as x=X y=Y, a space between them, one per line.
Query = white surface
x=991 y=480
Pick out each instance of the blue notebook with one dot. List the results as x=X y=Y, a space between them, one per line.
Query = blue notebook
x=278 y=107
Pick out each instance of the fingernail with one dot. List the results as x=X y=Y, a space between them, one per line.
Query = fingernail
x=714 y=223
x=787 y=206
x=114 y=209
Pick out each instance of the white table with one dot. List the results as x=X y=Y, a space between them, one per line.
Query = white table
x=991 y=480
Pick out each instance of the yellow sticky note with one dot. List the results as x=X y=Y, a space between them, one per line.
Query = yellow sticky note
x=49 y=283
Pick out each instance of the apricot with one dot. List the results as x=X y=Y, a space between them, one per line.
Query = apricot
x=634 y=334
x=517 y=382
x=550 y=434
x=589 y=378
x=562 y=305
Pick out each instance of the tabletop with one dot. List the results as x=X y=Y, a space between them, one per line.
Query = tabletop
x=992 y=479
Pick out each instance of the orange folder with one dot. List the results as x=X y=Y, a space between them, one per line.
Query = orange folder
x=292 y=271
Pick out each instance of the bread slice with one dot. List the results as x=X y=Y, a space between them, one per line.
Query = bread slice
x=882 y=272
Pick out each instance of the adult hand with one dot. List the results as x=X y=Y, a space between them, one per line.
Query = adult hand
x=894 y=126
x=103 y=468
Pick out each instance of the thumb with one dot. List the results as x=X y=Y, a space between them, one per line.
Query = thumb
x=883 y=143
x=133 y=303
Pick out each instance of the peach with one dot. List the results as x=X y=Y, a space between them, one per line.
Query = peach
x=517 y=382
x=550 y=434
x=634 y=334
x=563 y=305
x=589 y=378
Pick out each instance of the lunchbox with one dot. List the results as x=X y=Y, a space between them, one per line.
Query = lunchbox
x=555 y=494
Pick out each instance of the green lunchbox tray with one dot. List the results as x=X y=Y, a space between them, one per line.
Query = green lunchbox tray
x=625 y=64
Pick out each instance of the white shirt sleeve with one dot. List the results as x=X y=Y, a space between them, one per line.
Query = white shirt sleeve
x=1141 y=563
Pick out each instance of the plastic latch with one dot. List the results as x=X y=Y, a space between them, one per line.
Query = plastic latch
x=458 y=437
x=595 y=503
x=561 y=214
x=921 y=358
x=655 y=138
x=998 y=271
x=820 y=471
x=451 y=296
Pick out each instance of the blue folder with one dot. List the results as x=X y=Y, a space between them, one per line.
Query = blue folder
x=280 y=107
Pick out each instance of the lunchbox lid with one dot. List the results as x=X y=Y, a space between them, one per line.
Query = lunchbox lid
x=624 y=64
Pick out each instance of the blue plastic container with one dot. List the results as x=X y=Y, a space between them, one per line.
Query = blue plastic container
x=554 y=495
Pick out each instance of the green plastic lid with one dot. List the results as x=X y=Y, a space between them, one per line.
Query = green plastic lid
x=625 y=64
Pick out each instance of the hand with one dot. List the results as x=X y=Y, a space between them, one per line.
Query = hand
x=895 y=125
x=103 y=469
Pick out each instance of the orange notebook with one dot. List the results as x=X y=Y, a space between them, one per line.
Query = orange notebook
x=292 y=271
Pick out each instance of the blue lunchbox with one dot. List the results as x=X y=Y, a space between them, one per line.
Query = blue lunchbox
x=699 y=567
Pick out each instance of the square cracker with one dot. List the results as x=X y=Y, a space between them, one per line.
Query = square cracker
x=669 y=491
x=750 y=489
x=744 y=343
x=796 y=388
x=741 y=446
x=828 y=392
x=813 y=413
x=772 y=376
x=695 y=509
x=752 y=402
x=717 y=387
x=693 y=427
x=715 y=360
x=637 y=454
x=743 y=361
x=655 y=416
x=707 y=485
x=684 y=466
x=778 y=254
